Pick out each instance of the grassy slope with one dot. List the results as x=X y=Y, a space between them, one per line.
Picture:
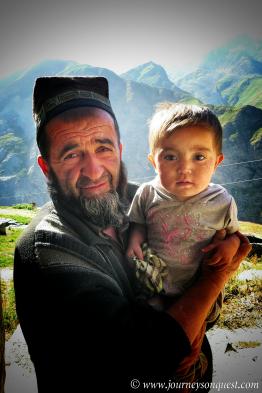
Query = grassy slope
x=7 y=244
x=250 y=227
x=251 y=94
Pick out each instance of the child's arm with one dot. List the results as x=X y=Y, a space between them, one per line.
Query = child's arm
x=136 y=238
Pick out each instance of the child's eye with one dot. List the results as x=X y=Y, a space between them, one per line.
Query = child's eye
x=170 y=157
x=199 y=157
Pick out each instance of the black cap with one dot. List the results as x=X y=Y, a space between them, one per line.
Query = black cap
x=54 y=95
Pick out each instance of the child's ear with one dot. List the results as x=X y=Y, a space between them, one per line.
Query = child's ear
x=151 y=159
x=219 y=159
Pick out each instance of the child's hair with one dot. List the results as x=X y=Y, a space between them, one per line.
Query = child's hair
x=170 y=116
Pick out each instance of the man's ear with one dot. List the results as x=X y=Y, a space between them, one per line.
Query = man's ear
x=219 y=159
x=43 y=165
x=121 y=150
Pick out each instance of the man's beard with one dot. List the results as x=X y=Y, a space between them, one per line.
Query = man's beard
x=106 y=210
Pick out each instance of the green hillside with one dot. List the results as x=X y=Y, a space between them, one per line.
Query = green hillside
x=155 y=75
x=230 y=75
x=246 y=91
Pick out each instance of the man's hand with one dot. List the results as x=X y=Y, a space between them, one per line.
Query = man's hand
x=223 y=259
x=244 y=248
x=224 y=249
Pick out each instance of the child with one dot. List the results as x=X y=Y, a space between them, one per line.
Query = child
x=179 y=212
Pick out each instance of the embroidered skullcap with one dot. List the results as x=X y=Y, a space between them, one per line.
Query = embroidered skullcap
x=54 y=95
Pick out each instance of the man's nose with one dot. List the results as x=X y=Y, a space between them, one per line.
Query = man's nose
x=91 y=167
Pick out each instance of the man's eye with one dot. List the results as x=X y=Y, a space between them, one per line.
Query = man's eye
x=70 y=156
x=170 y=157
x=200 y=157
x=102 y=149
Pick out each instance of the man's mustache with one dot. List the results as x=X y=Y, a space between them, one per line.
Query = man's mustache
x=85 y=181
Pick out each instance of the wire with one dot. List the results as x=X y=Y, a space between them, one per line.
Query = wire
x=151 y=177
x=239 y=163
x=233 y=163
x=43 y=193
x=142 y=178
x=241 y=181
x=222 y=184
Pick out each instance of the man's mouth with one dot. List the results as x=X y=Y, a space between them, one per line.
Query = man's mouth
x=85 y=183
x=93 y=185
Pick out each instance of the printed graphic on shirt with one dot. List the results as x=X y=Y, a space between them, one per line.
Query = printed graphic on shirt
x=177 y=236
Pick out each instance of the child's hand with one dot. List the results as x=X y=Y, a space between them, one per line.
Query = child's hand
x=224 y=250
x=134 y=250
x=136 y=239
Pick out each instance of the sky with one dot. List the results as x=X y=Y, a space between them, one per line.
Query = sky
x=121 y=34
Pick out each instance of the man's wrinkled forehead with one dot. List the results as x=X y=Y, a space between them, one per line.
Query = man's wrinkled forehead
x=82 y=122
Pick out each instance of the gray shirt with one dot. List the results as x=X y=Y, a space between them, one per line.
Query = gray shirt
x=178 y=230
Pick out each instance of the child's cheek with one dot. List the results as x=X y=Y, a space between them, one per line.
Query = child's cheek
x=208 y=165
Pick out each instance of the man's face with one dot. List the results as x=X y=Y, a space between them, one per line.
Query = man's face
x=84 y=155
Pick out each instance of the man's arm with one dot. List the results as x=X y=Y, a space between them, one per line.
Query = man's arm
x=222 y=250
x=191 y=310
x=92 y=317
x=83 y=315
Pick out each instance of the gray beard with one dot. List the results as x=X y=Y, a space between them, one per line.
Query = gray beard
x=104 y=211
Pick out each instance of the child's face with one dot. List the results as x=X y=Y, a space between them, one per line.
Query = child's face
x=186 y=160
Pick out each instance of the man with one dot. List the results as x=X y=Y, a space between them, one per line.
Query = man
x=76 y=294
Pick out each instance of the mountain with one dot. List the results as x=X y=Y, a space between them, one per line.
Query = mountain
x=155 y=75
x=230 y=75
x=133 y=104
x=242 y=147
x=239 y=47
x=133 y=97
x=149 y=73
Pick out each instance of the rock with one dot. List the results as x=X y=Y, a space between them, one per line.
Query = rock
x=229 y=348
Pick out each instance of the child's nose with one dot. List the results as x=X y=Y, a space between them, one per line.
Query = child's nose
x=184 y=167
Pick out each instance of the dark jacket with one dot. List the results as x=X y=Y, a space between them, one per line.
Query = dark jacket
x=85 y=329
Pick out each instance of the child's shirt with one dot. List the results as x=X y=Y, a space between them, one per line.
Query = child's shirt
x=178 y=230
